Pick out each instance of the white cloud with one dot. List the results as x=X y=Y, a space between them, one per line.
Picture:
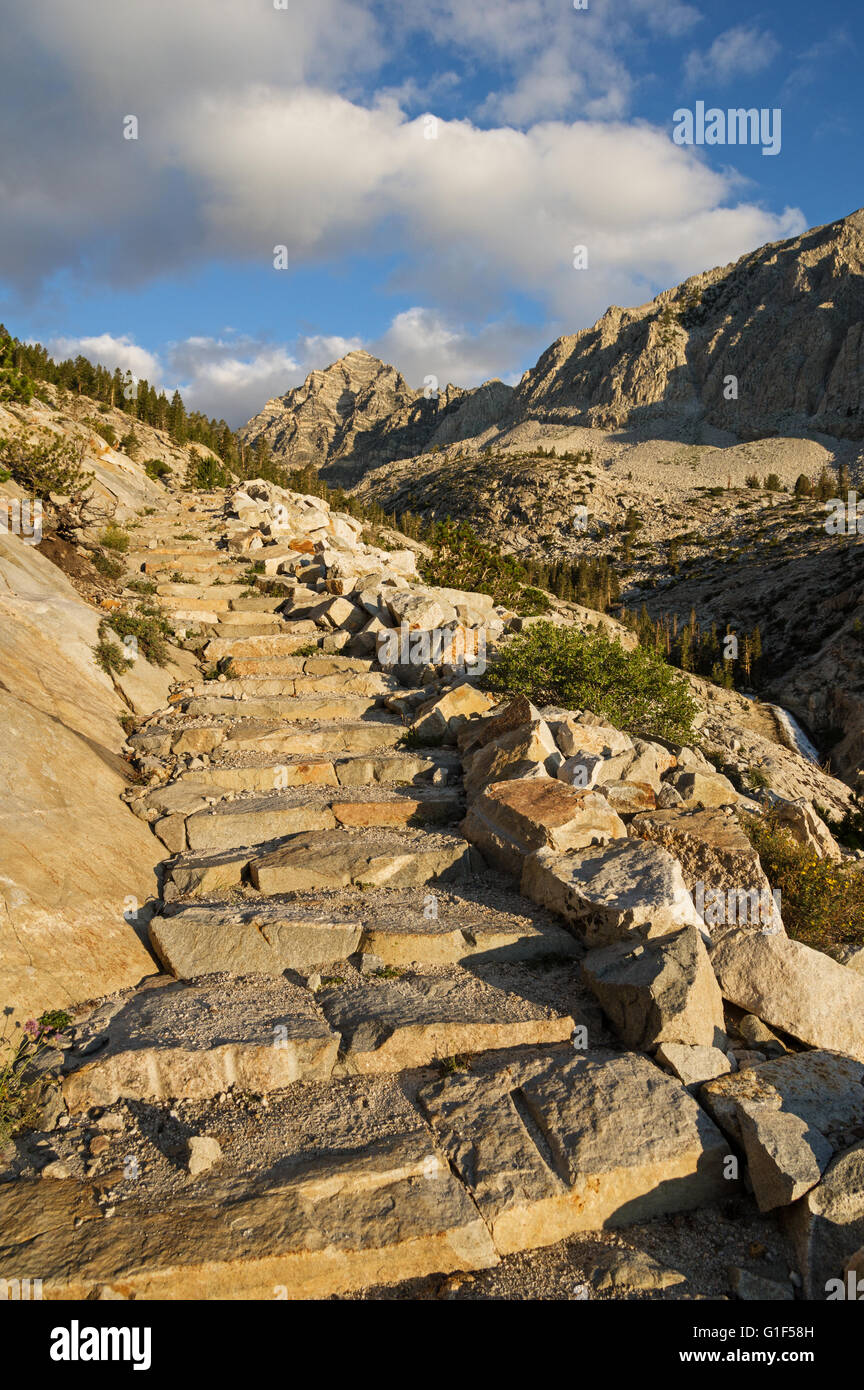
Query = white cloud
x=738 y=52
x=836 y=47
x=261 y=128
x=243 y=146
x=421 y=342
x=473 y=214
x=232 y=378
x=229 y=377
x=321 y=349
x=111 y=352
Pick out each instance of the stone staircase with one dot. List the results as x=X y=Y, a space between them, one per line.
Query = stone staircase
x=368 y=1057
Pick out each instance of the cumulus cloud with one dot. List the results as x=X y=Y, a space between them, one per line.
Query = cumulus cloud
x=253 y=133
x=230 y=377
x=235 y=375
x=472 y=214
x=738 y=52
x=110 y=351
x=261 y=128
x=422 y=342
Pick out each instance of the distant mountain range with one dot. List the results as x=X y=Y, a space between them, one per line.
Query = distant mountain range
x=770 y=345
x=360 y=411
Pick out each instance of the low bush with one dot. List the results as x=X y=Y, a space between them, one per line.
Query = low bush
x=207 y=473
x=114 y=538
x=107 y=566
x=149 y=628
x=20 y=1085
x=821 y=903
x=637 y=690
x=45 y=466
x=111 y=658
x=156 y=469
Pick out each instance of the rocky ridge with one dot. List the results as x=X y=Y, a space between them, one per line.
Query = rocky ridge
x=784 y=321
x=359 y=410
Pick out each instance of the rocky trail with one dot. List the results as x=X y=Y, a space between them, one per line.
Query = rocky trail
x=432 y=1017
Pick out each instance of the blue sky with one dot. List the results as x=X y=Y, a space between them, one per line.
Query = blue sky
x=429 y=166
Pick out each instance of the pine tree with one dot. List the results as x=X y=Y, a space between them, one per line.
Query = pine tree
x=177 y=419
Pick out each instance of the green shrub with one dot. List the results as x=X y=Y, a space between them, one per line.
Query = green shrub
x=532 y=603
x=105 y=564
x=110 y=657
x=49 y=465
x=114 y=538
x=130 y=444
x=15 y=386
x=207 y=473
x=20 y=1085
x=149 y=628
x=848 y=831
x=225 y=668
x=589 y=670
x=757 y=778
x=821 y=903
x=156 y=469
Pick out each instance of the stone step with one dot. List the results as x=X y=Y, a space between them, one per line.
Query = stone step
x=390 y=1025
x=195 y=1041
x=274 y=667
x=549 y=1149
x=242 y=939
x=263 y=645
x=445 y=926
x=340 y=682
x=242 y=617
x=337 y=858
x=249 y=625
x=184 y=561
x=296 y=709
x=217 y=780
x=256 y=820
x=256 y=603
x=192 y=551
x=376 y=732
x=269 y=774
x=197 y=875
x=213 y=604
x=220 y=592
x=206 y=617
x=279 y=1216
x=205 y=569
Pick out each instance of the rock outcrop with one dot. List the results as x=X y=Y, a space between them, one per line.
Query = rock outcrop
x=360 y=411
x=785 y=319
